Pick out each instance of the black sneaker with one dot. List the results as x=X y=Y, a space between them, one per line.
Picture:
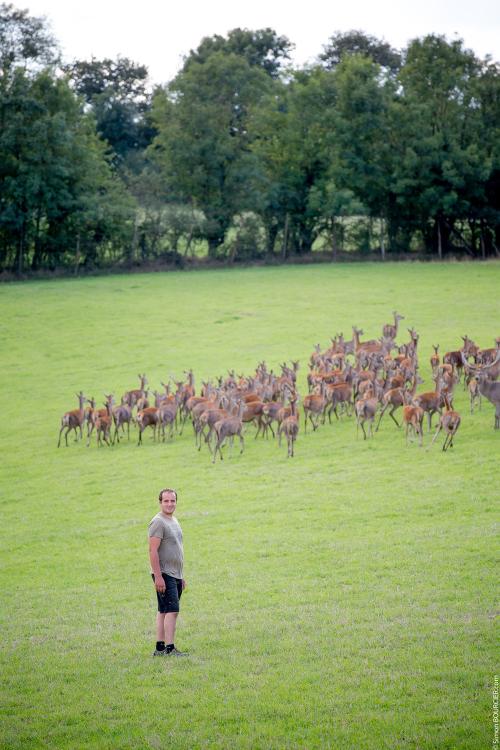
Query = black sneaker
x=176 y=652
x=163 y=652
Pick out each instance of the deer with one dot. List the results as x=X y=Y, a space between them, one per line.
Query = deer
x=228 y=427
x=104 y=422
x=270 y=412
x=474 y=393
x=449 y=421
x=167 y=413
x=94 y=414
x=430 y=402
x=366 y=409
x=390 y=331
x=290 y=426
x=435 y=361
x=130 y=398
x=413 y=416
x=209 y=418
x=339 y=393
x=73 y=420
x=490 y=389
x=314 y=403
x=122 y=415
x=148 y=417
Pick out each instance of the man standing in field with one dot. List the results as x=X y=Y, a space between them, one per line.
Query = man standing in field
x=166 y=555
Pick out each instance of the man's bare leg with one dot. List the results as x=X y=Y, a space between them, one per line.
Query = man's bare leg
x=160 y=626
x=170 y=623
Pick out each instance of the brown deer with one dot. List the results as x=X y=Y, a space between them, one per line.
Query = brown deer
x=435 y=361
x=73 y=420
x=413 y=416
x=130 y=398
x=339 y=394
x=122 y=415
x=148 y=417
x=94 y=414
x=290 y=426
x=489 y=388
x=390 y=331
x=314 y=404
x=431 y=402
x=474 y=393
x=229 y=427
x=104 y=422
x=366 y=409
x=449 y=422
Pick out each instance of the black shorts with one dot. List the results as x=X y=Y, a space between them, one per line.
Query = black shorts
x=169 y=600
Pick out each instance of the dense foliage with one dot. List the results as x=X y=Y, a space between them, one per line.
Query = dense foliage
x=241 y=156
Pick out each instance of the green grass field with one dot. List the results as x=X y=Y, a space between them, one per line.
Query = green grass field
x=341 y=599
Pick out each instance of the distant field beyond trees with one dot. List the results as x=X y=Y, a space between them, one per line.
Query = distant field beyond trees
x=240 y=157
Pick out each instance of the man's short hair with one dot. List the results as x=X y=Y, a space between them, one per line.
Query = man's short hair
x=167 y=489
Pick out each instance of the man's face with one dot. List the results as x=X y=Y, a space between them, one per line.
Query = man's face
x=168 y=503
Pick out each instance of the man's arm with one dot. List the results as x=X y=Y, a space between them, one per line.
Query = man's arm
x=154 y=543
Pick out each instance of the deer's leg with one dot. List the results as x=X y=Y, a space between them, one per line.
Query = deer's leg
x=382 y=412
x=440 y=427
x=242 y=443
x=391 y=414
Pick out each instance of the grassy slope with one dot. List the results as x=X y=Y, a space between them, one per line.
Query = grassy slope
x=343 y=599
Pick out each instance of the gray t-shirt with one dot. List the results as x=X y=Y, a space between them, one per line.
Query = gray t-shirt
x=170 y=551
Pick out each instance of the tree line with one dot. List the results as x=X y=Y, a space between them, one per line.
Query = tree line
x=242 y=156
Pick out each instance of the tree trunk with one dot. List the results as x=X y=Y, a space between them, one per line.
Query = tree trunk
x=37 y=255
x=19 y=261
x=334 y=241
x=77 y=254
x=382 y=239
x=285 y=238
x=440 y=247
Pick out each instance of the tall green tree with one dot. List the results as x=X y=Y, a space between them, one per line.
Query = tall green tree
x=292 y=137
x=262 y=48
x=362 y=137
x=203 y=142
x=443 y=167
x=116 y=92
x=355 y=42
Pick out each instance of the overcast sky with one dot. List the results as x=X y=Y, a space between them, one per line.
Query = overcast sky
x=158 y=33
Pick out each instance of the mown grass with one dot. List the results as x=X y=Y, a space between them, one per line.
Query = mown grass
x=341 y=599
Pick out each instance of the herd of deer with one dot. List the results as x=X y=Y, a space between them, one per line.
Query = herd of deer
x=368 y=378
